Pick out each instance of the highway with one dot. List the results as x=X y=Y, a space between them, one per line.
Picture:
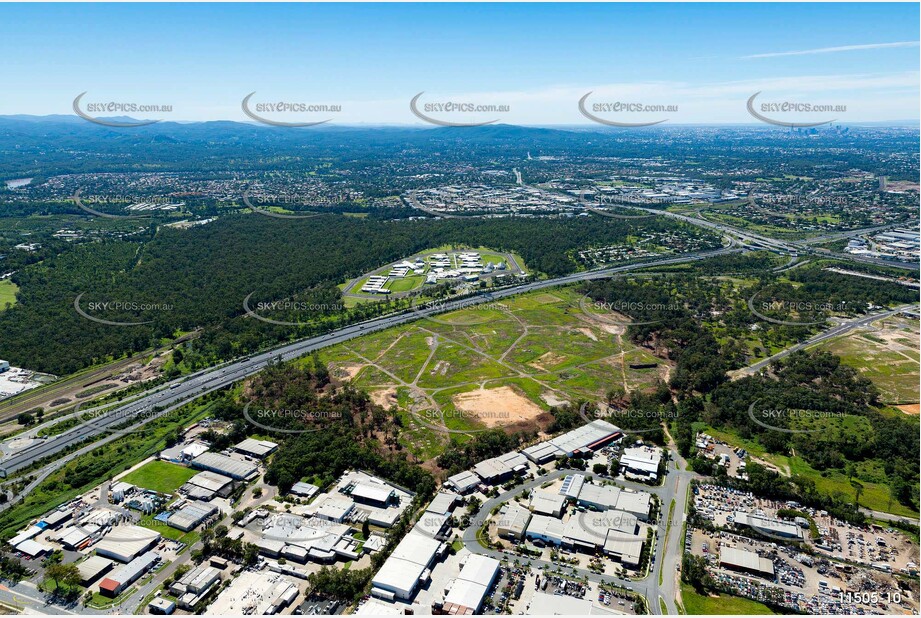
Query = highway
x=170 y=396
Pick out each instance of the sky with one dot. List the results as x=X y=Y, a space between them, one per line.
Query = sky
x=695 y=63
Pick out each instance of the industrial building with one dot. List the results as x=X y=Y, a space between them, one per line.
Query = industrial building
x=184 y=453
x=465 y=594
x=304 y=490
x=192 y=587
x=605 y=497
x=127 y=574
x=766 y=525
x=547 y=503
x=502 y=468
x=259 y=449
x=407 y=568
x=616 y=533
x=228 y=466
x=545 y=529
x=191 y=514
x=92 y=568
x=126 y=543
x=255 y=593
x=443 y=503
x=578 y=442
x=746 y=561
x=641 y=462
x=513 y=521
x=301 y=539
x=463 y=482
x=206 y=485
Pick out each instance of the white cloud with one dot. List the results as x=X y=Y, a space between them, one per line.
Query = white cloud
x=833 y=50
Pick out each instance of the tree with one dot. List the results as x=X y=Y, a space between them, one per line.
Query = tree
x=63 y=575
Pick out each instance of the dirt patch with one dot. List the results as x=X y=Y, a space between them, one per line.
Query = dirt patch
x=348 y=370
x=384 y=398
x=546 y=360
x=588 y=333
x=910 y=408
x=496 y=407
x=552 y=400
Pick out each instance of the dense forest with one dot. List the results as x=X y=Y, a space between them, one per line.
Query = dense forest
x=198 y=279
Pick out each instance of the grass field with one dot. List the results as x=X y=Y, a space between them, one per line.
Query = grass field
x=875 y=495
x=518 y=357
x=8 y=291
x=699 y=605
x=888 y=357
x=160 y=476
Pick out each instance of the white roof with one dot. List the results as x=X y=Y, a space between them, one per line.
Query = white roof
x=643 y=458
x=417 y=548
x=515 y=518
x=465 y=593
x=398 y=574
x=745 y=559
x=212 y=481
x=372 y=491
x=442 y=503
x=583 y=437
x=93 y=566
x=548 y=527
x=545 y=502
x=479 y=569
x=32 y=548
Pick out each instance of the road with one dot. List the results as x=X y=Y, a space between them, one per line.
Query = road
x=172 y=395
x=831 y=333
x=667 y=552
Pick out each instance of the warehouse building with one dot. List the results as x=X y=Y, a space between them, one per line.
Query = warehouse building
x=206 y=485
x=127 y=574
x=407 y=568
x=463 y=482
x=547 y=503
x=191 y=515
x=255 y=593
x=55 y=519
x=766 y=525
x=443 y=503
x=502 y=468
x=545 y=530
x=192 y=587
x=93 y=568
x=301 y=539
x=746 y=562
x=576 y=443
x=465 y=594
x=228 y=466
x=259 y=449
x=126 y=543
x=184 y=453
x=304 y=490
x=641 y=462
x=513 y=521
x=604 y=497
x=616 y=533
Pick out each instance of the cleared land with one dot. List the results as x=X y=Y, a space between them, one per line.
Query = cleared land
x=498 y=364
x=700 y=605
x=160 y=476
x=887 y=355
x=8 y=291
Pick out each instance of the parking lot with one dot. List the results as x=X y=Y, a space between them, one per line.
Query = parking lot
x=802 y=581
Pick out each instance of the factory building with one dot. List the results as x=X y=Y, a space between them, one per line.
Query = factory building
x=576 y=443
x=408 y=567
x=746 y=562
x=227 y=466
x=258 y=449
x=513 y=521
x=127 y=574
x=465 y=594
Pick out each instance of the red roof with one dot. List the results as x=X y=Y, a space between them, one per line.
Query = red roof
x=109 y=585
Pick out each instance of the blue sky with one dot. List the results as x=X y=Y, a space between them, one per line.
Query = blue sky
x=538 y=59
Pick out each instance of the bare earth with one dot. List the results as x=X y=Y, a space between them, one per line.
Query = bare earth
x=910 y=408
x=497 y=406
x=384 y=398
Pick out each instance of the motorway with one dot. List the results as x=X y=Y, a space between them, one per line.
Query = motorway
x=170 y=396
